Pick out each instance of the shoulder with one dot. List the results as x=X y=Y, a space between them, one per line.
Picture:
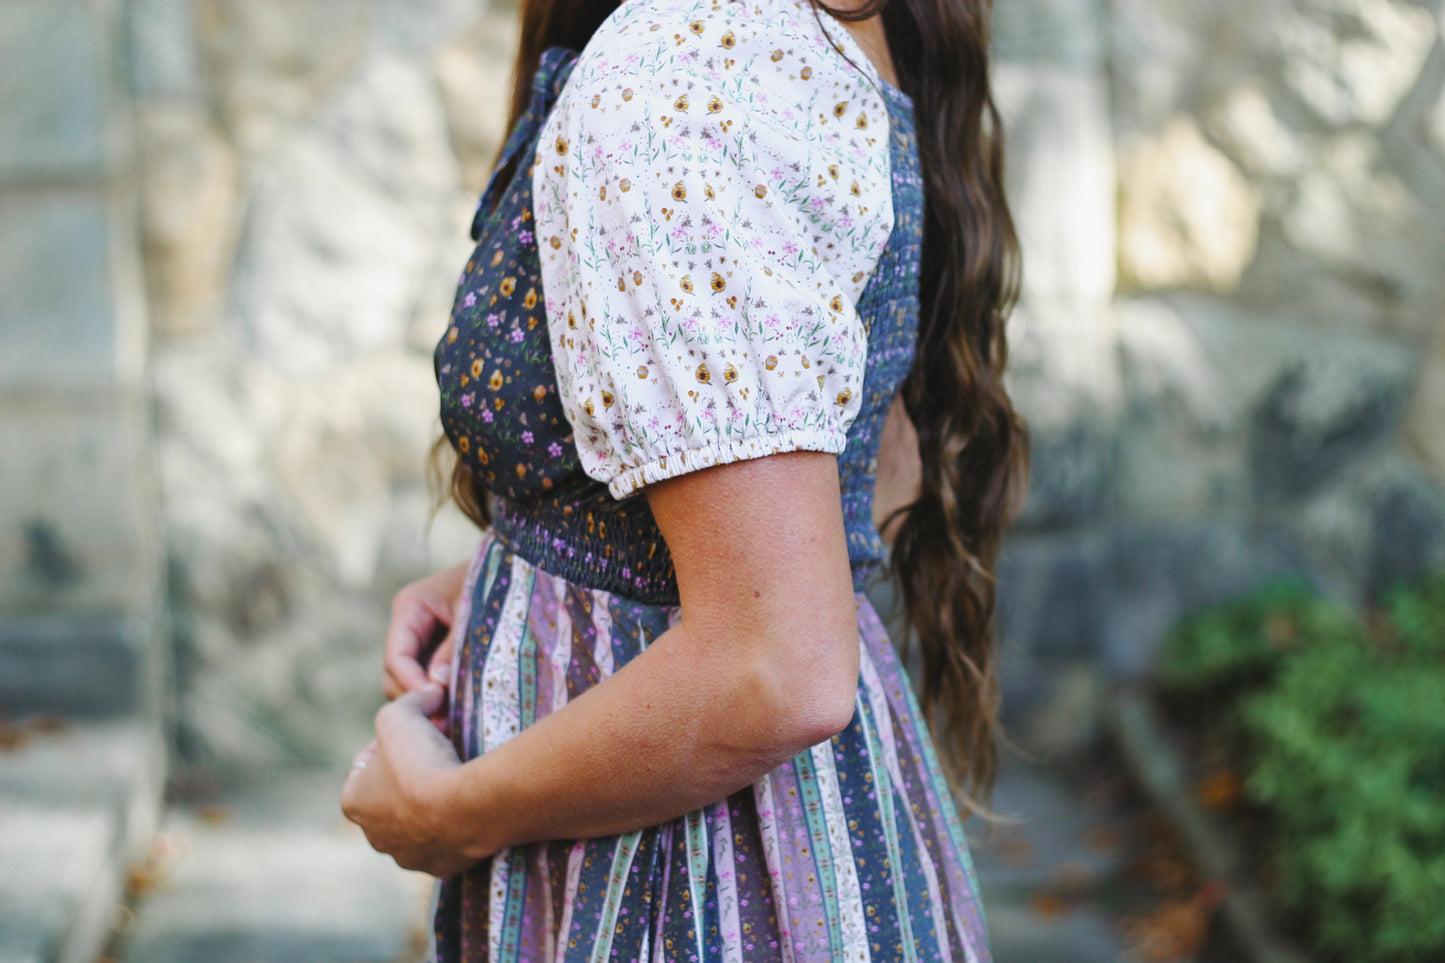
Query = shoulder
x=773 y=58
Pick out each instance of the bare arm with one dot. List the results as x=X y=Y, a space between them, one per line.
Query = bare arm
x=763 y=664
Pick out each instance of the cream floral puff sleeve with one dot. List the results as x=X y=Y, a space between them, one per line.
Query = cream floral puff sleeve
x=711 y=193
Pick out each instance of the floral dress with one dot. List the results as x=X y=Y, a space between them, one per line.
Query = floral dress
x=701 y=246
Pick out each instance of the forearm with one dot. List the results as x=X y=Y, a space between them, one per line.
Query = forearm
x=681 y=726
x=762 y=665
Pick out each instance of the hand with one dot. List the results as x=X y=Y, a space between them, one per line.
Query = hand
x=395 y=789
x=418 y=644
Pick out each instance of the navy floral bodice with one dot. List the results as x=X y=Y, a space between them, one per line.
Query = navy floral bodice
x=501 y=412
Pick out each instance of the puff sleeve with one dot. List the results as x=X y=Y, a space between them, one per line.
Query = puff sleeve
x=711 y=194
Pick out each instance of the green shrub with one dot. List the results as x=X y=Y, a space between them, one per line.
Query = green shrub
x=1341 y=722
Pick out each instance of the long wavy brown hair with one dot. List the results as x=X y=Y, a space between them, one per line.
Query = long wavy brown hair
x=972 y=444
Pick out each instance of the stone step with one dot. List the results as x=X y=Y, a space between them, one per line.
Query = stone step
x=270 y=871
x=78 y=803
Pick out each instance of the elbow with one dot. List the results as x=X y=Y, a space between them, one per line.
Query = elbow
x=810 y=700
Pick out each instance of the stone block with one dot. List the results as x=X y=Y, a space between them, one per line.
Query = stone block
x=1064 y=33
x=1323 y=412
x=1377 y=527
x=344 y=221
x=420 y=26
x=1155 y=574
x=474 y=72
x=55 y=866
x=189 y=207
x=163 y=57
x=1188 y=218
x=1158 y=52
x=270 y=63
x=76 y=667
x=76 y=533
x=282 y=879
x=53 y=97
x=76 y=806
x=1048 y=595
x=1352 y=212
x=58 y=324
x=1071 y=472
x=1351 y=61
x=1060 y=177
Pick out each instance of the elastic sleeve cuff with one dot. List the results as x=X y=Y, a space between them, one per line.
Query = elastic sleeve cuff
x=672 y=465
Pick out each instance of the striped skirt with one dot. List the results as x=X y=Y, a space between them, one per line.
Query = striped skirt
x=851 y=851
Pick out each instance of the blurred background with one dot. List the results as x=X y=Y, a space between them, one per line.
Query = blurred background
x=229 y=234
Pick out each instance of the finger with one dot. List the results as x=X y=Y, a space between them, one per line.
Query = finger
x=421 y=702
x=351 y=788
x=439 y=669
x=390 y=687
x=403 y=653
x=408 y=735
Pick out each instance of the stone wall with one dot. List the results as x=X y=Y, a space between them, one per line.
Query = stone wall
x=1230 y=347
x=79 y=553
x=309 y=169
x=1251 y=385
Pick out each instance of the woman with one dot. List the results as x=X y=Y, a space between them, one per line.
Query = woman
x=706 y=286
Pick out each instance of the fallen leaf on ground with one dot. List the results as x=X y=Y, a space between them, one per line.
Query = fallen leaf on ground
x=1176 y=931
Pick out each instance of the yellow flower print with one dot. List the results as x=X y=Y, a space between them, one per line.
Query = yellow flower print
x=477 y=368
x=607 y=399
x=507 y=286
x=837 y=303
x=686 y=283
x=539 y=392
x=587 y=407
x=728 y=40
x=496 y=257
x=495 y=381
x=703 y=375
x=679 y=191
x=844 y=396
x=464 y=443
x=730 y=373
x=840 y=108
x=530 y=301
x=717 y=283
x=561 y=145
x=696 y=26
x=714 y=104
x=680 y=103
